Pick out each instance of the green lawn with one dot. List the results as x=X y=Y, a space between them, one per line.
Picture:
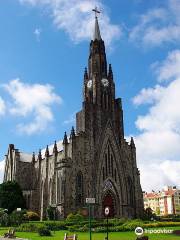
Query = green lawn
x=59 y=235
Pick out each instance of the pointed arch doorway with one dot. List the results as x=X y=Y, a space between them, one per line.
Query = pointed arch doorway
x=109 y=201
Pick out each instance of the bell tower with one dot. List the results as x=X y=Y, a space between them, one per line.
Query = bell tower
x=97 y=84
x=99 y=103
x=97 y=58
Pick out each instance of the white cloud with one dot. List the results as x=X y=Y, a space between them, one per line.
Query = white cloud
x=169 y=69
x=164 y=113
x=2 y=170
x=37 y=33
x=157 y=175
x=75 y=17
x=32 y=101
x=158 y=143
x=158 y=26
x=149 y=95
x=2 y=106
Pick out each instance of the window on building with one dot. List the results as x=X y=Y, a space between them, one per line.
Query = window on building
x=109 y=163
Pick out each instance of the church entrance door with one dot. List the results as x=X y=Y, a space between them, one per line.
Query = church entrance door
x=108 y=201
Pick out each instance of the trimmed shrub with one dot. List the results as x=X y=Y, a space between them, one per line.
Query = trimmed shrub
x=74 y=218
x=44 y=231
x=70 y=217
x=32 y=216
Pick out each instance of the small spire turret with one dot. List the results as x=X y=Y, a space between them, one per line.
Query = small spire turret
x=110 y=73
x=39 y=155
x=132 y=143
x=33 y=158
x=72 y=133
x=47 y=152
x=65 y=140
x=85 y=73
x=55 y=149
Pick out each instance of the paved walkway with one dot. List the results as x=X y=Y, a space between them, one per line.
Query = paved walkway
x=1 y=238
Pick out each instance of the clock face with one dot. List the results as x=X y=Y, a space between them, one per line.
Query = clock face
x=105 y=82
x=89 y=84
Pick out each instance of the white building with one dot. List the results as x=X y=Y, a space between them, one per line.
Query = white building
x=165 y=202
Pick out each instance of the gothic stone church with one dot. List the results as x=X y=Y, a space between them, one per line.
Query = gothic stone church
x=95 y=161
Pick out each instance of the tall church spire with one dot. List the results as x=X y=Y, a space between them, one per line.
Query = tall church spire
x=97 y=34
x=97 y=65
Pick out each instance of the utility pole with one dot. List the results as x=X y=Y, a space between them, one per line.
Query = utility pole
x=106 y=211
x=90 y=201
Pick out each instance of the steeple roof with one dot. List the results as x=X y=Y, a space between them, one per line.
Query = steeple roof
x=97 y=34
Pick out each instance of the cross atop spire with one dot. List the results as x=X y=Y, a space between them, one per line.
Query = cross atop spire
x=97 y=34
x=96 y=11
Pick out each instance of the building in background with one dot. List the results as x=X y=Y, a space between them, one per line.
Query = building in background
x=165 y=202
x=95 y=161
x=151 y=200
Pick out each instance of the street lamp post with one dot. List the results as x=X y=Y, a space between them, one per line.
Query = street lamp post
x=90 y=233
x=90 y=201
x=19 y=211
x=106 y=211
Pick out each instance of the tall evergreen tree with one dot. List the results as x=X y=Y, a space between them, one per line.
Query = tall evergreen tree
x=11 y=196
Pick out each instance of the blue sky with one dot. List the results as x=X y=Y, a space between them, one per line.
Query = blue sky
x=43 y=51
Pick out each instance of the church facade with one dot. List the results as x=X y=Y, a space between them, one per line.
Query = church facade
x=94 y=161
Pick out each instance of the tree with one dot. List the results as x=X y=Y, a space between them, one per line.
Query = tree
x=50 y=213
x=148 y=214
x=11 y=196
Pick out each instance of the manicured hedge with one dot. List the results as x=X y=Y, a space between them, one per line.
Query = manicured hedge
x=29 y=227
x=115 y=225
x=56 y=225
x=161 y=224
